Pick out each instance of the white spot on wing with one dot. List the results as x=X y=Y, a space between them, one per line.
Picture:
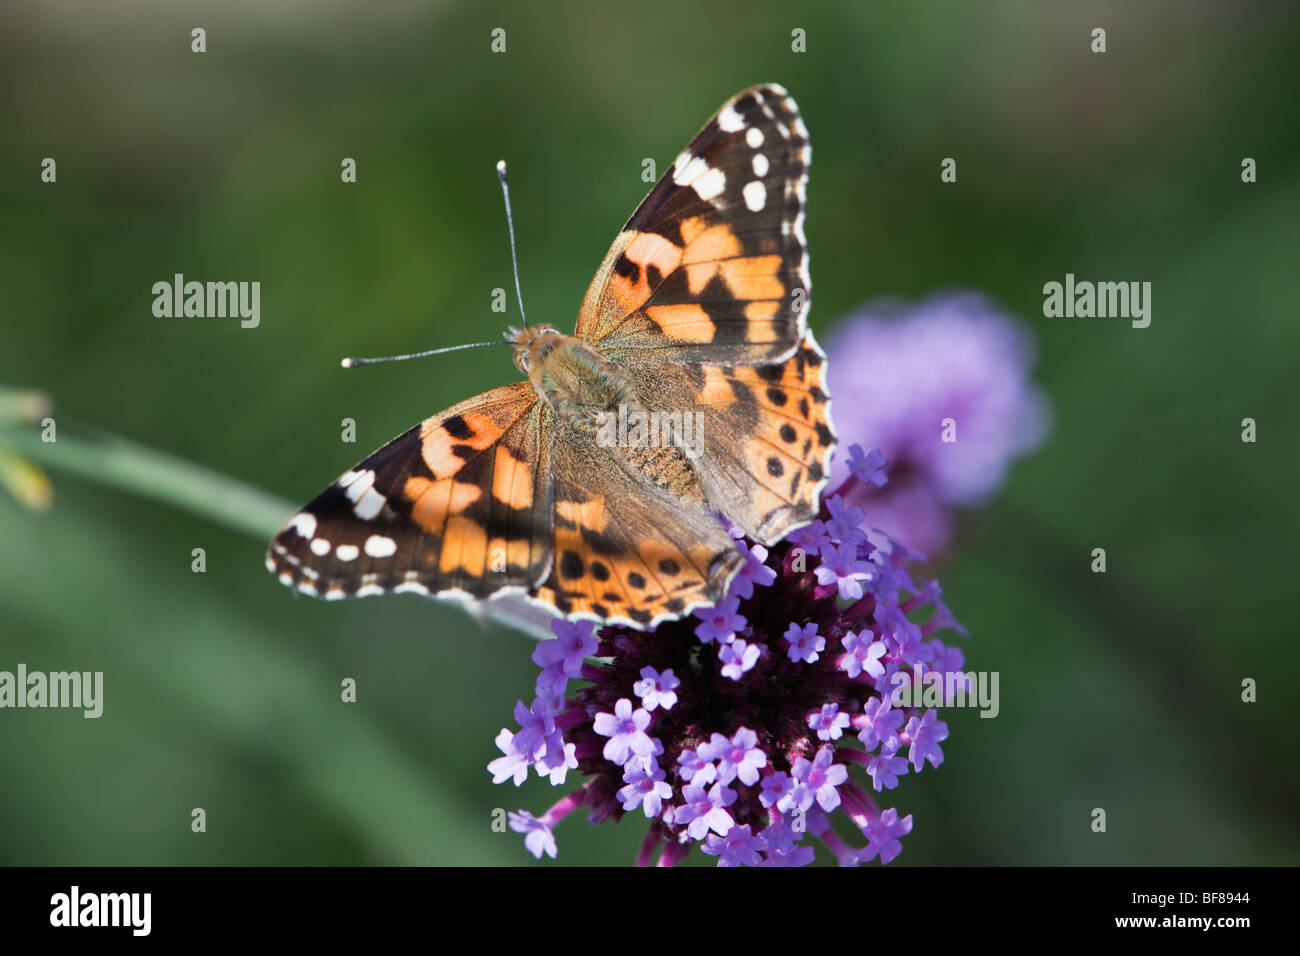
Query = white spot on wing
x=320 y=546
x=755 y=194
x=687 y=168
x=303 y=523
x=347 y=552
x=356 y=483
x=760 y=165
x=710 y=184
x=379 y=546
x=729 y=121
x=370 y=504
x=754 y=137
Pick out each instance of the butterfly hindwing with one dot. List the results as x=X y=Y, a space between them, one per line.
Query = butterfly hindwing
x=713 y=265
x=626 y=550
x=765 y=432
x=460 y=503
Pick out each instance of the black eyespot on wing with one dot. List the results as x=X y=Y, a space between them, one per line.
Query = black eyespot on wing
x=627 y=268
x=571 y=565
x=458 y=428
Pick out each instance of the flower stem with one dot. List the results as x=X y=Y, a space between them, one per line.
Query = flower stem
x=114 y=461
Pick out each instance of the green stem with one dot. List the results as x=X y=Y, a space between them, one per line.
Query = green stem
x=143 y=471
x=22 y=405
x=119 y=463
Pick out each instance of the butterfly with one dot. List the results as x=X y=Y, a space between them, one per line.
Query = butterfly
x=691 y=391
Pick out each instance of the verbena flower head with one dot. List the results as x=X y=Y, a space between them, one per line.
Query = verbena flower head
x=756 y=730
x=899 y=372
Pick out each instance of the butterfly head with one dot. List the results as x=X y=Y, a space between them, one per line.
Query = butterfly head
x=532 y=343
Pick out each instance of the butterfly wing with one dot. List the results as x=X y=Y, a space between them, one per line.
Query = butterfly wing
x=702 y=300
x=765 y=433
x=713 y=266
x=458 y=505
x=627 y=551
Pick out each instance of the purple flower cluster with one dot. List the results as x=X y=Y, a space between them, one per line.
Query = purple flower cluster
x=738 y=729
x=942 y=389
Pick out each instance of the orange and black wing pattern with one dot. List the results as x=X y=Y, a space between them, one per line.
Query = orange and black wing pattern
x=459 y=505
x=713 y=265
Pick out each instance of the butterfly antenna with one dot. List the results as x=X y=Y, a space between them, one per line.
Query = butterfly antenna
x=510 y=223
x=514 y=261
x=358 y=362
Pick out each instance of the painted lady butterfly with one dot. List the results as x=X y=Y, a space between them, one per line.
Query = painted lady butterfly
x=699 y=307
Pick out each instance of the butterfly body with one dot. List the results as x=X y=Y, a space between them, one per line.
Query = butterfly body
x=690 y=392
x=571 y=376
x=586 y=391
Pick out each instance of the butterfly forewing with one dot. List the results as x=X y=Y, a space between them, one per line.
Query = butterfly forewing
x=460 y=503
x=713 y=265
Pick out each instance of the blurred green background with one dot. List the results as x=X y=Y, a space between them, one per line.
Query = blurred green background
x=1119 y=691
